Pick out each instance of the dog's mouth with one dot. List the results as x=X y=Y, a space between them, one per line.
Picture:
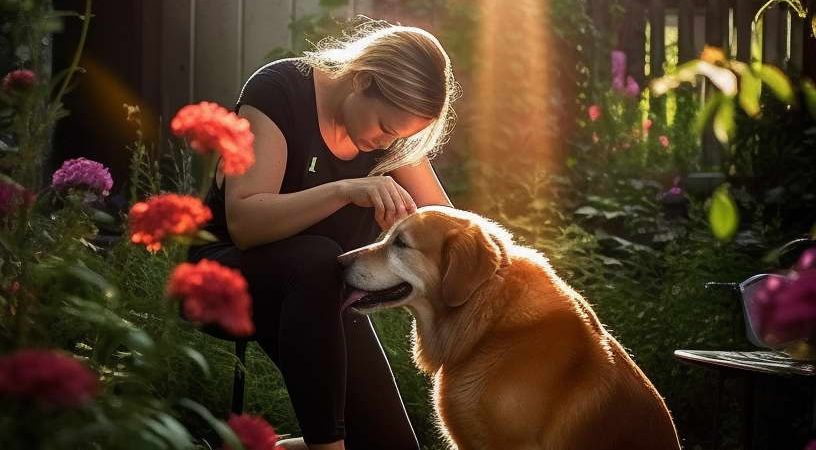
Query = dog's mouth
x=362 y=299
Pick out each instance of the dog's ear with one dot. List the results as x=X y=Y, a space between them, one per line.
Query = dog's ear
x=469 y=258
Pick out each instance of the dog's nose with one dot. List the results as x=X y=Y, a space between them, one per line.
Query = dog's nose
x=347 y=258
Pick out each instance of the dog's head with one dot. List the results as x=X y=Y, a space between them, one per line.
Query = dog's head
x=436 y=258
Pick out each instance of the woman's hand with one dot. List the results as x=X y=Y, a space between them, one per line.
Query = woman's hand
x=390 y=201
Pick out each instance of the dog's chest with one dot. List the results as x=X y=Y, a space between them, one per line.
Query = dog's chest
x=460 y=405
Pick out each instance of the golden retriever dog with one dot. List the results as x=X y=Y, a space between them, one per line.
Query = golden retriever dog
x=519 y=360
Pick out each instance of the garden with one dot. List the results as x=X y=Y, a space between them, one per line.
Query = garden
x=644 y=172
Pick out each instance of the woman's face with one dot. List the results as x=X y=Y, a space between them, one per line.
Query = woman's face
x=373 y=123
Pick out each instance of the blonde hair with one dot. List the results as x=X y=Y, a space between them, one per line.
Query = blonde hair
x=409 y=68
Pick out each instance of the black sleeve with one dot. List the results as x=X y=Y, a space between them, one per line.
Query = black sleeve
x=269 y=91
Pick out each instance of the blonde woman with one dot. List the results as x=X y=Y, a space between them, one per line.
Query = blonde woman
x=343 y=137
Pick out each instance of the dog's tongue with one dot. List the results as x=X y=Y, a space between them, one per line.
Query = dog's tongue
x=353 y=296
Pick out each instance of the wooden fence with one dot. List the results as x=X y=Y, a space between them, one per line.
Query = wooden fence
x=722 y=23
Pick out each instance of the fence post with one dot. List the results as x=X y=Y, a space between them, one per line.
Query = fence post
x=657 y=53
x=716 y=19
x=685 y=32
x=743 y=16
x=809 y=44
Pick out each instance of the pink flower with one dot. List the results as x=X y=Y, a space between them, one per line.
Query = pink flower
x=807 y=260
x=19 y=80
x=632 y=88
x=83 y=173
x=254 y=432
x=594 y=112
x=48 y=377
x=664 y=141
x=618 y=70
x=647 y=125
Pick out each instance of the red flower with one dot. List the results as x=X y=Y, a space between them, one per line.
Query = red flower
x=594 y=112
x=209 y=127
x=48 y=377
x=166 y=214
x=19 y=80
x=254 y=432
x=213 y=293
x=13 y=197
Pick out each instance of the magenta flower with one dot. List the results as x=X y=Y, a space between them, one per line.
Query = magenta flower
x=48 y=377
x=807 y=260
x=82 y=173
x=19 y=80
x=594 y=112
x=784 y=310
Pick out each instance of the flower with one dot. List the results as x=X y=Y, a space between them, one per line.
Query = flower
x=165 y=215
x=212 y=293
x=13 y=196
x=48 y=377
x=82 y=173
x=784 y=309
x=712 y=54
x=807 y=260
x=618 y=70
x=632 y=88
x=209 y=127
x=811 y=445
x=647 y=125
x=664 y=141
x=19 y=80
x=254 y=432
x=594 y=112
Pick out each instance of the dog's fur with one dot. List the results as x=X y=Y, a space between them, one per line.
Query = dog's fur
x=519 y=359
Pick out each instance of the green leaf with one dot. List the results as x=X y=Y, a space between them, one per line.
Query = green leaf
x=198 y=358
x=750 y=89
x=724 y=124
x=220 y=427
x=778 y=82
x=171 y=430
x=84 y=273
x=809 y=89
x=704 y=115
x=723 y=217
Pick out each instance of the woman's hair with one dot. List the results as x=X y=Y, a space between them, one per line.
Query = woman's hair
x=409 y=69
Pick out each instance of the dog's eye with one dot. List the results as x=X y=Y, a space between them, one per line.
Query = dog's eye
x=398 y=242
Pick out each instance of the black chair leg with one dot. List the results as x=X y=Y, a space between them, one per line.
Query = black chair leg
x=238 y=380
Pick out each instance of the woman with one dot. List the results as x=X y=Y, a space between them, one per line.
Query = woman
x=343 y=136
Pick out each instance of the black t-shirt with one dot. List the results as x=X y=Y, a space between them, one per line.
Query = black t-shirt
x=284 y=91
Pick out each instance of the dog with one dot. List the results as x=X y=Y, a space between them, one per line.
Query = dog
x=519 y=359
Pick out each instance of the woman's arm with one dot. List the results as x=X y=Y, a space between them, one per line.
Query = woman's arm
x=421 y=182
x=254 y=206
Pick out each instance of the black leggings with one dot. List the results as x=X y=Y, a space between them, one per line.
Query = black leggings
x=332 y=363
